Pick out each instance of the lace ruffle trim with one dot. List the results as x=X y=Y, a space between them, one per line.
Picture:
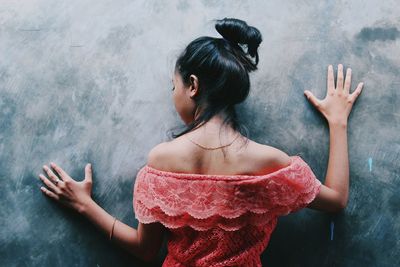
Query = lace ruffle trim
x=227 y=201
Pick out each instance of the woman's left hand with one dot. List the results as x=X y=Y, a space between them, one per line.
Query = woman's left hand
x=64 y=189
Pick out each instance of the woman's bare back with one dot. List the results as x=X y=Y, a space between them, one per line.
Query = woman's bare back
x=251 y=158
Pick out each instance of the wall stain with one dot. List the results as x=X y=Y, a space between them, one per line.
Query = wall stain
x=378 y=34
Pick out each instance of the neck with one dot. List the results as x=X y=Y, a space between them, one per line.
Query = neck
x=214 y=125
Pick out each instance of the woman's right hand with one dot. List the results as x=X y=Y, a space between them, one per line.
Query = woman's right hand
x=337 y=104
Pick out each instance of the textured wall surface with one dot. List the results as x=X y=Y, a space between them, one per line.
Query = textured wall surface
x=90 y=81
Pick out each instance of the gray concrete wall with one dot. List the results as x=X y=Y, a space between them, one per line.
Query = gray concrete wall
x=89 y=81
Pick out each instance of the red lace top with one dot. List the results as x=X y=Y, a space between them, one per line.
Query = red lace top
x=221 y=220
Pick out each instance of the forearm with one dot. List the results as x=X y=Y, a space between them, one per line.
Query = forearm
x=337 y=175
x=123 y=235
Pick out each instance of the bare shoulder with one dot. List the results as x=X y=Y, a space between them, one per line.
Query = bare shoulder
x=267 y=157
x=158 y=155
x=256 y=158
x=167 y=156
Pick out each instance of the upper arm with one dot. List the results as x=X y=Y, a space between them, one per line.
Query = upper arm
x=151 y=236
x=327 y=200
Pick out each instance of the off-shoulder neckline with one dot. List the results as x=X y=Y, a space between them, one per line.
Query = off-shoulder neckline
x=183 y=175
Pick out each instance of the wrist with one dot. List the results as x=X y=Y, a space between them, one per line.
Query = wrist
x=85 y=207
x=338 y=124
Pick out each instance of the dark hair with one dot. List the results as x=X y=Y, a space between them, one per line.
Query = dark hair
x=222 y=66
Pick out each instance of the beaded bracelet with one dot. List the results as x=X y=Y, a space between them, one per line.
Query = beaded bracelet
x=112 y=229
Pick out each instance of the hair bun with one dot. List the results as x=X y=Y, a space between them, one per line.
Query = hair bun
x=237 y=31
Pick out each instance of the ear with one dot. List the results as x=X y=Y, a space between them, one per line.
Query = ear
x=194 y=86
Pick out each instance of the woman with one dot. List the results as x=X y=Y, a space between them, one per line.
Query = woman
x=216 y=193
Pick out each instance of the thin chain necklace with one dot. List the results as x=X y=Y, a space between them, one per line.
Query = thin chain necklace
x=211 y=148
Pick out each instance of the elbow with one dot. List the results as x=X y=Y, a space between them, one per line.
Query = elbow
x=340 y=202
x=343 y=204
x=143 y=255
x=148 y=257
x=340 y=206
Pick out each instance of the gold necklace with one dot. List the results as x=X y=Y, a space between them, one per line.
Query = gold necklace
x=211 y=148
